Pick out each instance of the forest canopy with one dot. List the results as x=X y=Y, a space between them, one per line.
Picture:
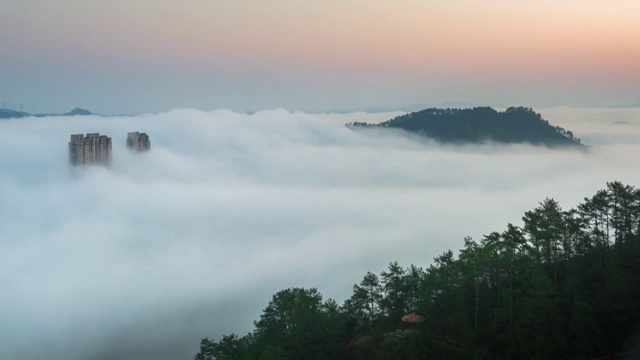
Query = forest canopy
x=565 y=284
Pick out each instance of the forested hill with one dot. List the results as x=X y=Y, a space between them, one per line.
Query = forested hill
x=11 y=114
x=564 y=285
x=514 y=125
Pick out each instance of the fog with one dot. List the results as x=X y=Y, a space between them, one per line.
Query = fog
x=191 y=239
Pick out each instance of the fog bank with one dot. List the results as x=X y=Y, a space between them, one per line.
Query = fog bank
x=192 y=238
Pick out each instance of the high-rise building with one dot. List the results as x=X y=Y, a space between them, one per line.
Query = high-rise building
x=138 y=141
x=90 y=149
x=76 y=149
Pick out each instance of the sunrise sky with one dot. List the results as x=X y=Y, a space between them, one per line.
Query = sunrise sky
x=140 y=55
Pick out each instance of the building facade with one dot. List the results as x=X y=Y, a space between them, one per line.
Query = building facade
x=90 y=149
x=138 y=141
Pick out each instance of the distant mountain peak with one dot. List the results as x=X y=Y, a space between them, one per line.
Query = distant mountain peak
x=78 y=111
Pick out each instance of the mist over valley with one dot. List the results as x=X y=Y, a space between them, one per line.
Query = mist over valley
x=190 y=239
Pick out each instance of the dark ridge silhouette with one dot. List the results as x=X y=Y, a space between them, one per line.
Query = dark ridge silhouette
x=514 y=125
x=10 y=114
x=78 y=111
x=13 y=114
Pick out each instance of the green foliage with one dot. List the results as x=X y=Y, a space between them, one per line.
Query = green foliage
x=392 y=348
x=514 y=125
x=230 y=347
x=363 y=348
x=297 y=321
x=273 y=353
x=564 y=285
x=366 y=300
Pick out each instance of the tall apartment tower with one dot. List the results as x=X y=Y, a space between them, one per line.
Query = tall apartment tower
x=76 y=149
x=138 y=141
x=90 y=149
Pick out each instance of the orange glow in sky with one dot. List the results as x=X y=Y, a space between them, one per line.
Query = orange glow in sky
x=402 y=34
x=539 y=40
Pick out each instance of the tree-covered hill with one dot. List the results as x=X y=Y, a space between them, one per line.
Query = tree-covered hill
x=12 y=114
x=565 y=285
x=514 y=125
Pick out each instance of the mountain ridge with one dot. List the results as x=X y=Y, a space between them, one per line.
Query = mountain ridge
x=13 y=114
x=480 y=124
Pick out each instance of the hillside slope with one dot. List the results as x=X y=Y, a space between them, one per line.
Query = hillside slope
x=514 y=125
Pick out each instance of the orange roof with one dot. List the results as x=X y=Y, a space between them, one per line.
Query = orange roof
x=412 y=318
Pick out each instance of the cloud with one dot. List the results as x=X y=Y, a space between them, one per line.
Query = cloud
x=192 y=239
x=599 y=126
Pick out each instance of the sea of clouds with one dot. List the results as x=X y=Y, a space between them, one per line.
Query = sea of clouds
x=192 y=238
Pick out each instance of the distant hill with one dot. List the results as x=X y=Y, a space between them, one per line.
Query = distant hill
x=78 y=111
x=514 y=125
x=13 y=114
x=9 y=114
x=635 y=106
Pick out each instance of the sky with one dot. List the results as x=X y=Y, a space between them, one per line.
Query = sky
x=138 y=56
x=253 y=183
x=192 y=239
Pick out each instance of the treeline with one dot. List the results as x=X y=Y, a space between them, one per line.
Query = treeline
x=514 y=125
x=564 y=285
